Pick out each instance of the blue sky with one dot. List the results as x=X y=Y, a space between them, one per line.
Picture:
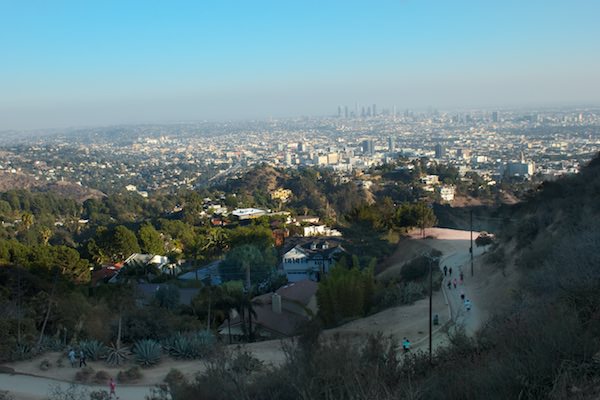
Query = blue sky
x=74 y=63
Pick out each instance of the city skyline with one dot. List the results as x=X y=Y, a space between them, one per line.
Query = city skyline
x=74 y=65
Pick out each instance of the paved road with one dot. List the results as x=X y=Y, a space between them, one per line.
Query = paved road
x=25 y=387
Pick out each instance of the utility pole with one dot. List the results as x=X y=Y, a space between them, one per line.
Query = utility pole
x=471 y=242
x=430 y=309
x=248 y=288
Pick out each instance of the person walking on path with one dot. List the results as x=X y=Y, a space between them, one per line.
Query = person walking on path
x=461 y=277
x=468 y=304
x=449 y=284
x=454 y=282
x=72 y=357
x=462 y=295
x=406 y=345
x=445 y=271
x=112 y=386
x=82 y=358
x=450 y=271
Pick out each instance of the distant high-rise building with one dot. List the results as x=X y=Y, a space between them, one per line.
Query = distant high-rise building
x=374 y=110
x=495 y=116
x=391 y=143
x=368 y=111
x=440 y=151
x=368 y=147
x=339 y=111
x=346 y=112
x=362 y=112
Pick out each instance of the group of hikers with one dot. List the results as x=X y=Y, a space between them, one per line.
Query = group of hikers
x=73 y=359
x=453 y=282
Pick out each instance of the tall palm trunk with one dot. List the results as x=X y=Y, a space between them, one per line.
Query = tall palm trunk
x=50 y=299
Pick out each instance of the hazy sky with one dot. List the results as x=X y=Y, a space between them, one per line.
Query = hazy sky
x=73 y=63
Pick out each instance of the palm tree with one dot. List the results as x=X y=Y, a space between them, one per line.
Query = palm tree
x=46 y=234
x=27 y=220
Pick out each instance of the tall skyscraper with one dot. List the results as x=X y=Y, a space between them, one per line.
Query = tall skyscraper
x=374 y=110
x=495 y=116
x=339 y=111
x=368 y=147
x=440 y=151
x=391 y=143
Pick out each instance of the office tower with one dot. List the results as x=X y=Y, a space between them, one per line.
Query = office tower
x=374 y=110
x=339 y=111
x=368 y=147
x=362 y=112
x=495 y=116
x=440 y=151
x=346 y=112
x=368 y=111
x=391 y=143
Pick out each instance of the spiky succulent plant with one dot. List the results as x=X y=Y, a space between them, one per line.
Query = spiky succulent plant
x=147 y=352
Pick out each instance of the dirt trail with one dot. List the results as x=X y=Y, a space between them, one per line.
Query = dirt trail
x=412 y=321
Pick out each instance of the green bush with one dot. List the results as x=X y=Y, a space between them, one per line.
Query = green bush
x=84 y=374
x=101 y=377
x=131 y=375
x=45 y=365
x=175 y=378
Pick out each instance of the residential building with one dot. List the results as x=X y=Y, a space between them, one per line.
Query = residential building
x=310 y=259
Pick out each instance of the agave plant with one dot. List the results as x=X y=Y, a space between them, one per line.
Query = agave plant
x=93 y=349
x=147 y=352
x=50 y=343
x=179 y=346
x=116 y=355
x=189 y=346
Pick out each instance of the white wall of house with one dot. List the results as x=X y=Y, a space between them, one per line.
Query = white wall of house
x=297 y=266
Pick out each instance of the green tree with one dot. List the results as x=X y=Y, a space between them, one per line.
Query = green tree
x=151 y=242
x=123 y=243
x=345 y=293
x=167 y=296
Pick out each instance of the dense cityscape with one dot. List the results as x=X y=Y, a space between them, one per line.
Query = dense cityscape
x=544 y=143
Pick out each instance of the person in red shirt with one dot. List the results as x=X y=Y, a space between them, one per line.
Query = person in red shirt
x=112 y=386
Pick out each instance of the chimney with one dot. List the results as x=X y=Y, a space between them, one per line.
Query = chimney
x=276 y=303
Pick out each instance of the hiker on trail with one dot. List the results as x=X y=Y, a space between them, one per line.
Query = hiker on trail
x=406 y=344
x=82 y=359
x=72 y=357
x=462 y=295
x=445 y=270
x=468 y=304
x=449 y=284
x=454 y=282
x=112 y=386
x=450 y=271
x=461 y=277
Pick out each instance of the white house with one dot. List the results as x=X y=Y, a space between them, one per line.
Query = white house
x=310 y=259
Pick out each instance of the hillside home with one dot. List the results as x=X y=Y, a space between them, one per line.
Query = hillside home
x=310 y=259
x=279 y=314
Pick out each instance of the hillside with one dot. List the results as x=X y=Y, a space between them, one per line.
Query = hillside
x=69 y=190
x=541 y=342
